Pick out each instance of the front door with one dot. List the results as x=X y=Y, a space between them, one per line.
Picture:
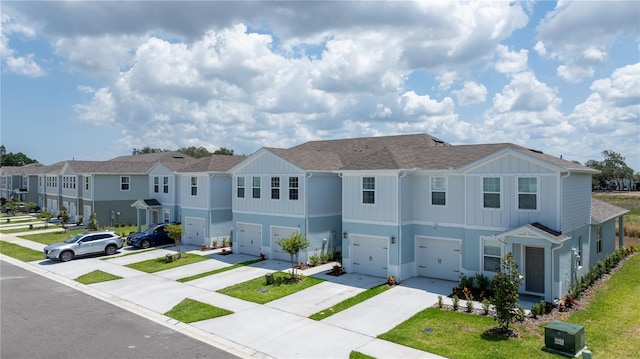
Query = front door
x=534 y=269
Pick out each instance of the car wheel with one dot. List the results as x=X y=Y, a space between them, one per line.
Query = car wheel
x=145 y=244
x=66 y=256
x=111 y=250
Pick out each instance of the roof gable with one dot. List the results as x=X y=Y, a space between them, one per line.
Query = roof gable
x=602 y=211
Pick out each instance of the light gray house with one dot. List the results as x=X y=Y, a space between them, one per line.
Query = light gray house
x=20 y=183
x=204 y=193
x=441 y=211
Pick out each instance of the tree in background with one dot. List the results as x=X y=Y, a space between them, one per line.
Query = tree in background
x=64 y=217
x=45 y=216
x=175 y=232
x=146 y=149
x=195 y=152
x=14 y=159
x=293 y=245
x=223 y=151
x=613 y=171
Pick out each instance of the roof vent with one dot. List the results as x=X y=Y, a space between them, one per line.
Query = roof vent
x=536 y=151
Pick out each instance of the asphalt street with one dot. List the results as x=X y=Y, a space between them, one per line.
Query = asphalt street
x=41 y=318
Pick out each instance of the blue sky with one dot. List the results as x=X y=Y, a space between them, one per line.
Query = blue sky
x=92 y=80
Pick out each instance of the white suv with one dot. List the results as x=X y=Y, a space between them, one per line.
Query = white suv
x=84 y=244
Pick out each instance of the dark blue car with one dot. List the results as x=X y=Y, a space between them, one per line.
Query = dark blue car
x=153 y=235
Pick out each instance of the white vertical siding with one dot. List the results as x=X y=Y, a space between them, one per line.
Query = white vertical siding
x=220 y=191
x=385 y=208
x=424 y=211
x=325 y=194
x=576 y=201
x=166 y=199
x=201 y=200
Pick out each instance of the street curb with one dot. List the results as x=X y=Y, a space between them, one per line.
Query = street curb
x=186 y=329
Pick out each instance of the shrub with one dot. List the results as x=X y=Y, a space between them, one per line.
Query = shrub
x=520 y=313
x=214 y=243
x=486 y=304
x=539 y=309
x=483 y=282
x=314 y=260
x=456 y=302
x=466 y=281
x=93 y=222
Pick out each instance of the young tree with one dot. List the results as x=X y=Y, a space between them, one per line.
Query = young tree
x=65 y=218
x=93 y=222
x=175 y=232
x=12 y=207
x=293 y=245
x=45 y=216
x=505 y=291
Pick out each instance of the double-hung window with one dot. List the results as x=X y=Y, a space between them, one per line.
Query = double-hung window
x=275 y=187
x=86 y=183
x=256 y=187
x=125 y=182
x=438 y=191
x=491 y=255
x=156 y=184
x=240 y=187
x=293 y=188
x=165 y=184
x=491 y=192
x=194 y=186
x=368 y=190
x=598 y=240
x=528 y=193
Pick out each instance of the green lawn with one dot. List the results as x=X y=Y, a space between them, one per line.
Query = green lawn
x=216 y=271
x=189 y=311
x=257 y=290
x=160 y=264
x=52 y=237
x=19 y=252
x=350 y=302
x=357 y=355
x=97 y=276
x=611 y=326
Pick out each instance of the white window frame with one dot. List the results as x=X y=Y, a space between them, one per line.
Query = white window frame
x=125 y=185
x=435 y=187
x=194 y=186
x=165 y=184
x=368 y=190
x=275 y=187
x=240 y=185
x=156 y=184
x=598 y=239
x=86 y=183
x=25 y=181
x=492 y=192
x=492 y=242
x=525 y=193
x=294 y=188
x=579 y=252
x=166 y=215
x=256 y=184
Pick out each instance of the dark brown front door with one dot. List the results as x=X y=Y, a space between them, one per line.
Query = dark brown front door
x=534 y=269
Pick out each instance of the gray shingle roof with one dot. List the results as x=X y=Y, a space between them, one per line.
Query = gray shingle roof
x=153 y=157
x=602 y=211
x=213 y=163
x=110 y=167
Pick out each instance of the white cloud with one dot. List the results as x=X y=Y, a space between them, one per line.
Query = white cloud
x=101 y=109
x=580 y=34
x=13 y=26
x=510 y=62
x=471 y=93
x=525 y=93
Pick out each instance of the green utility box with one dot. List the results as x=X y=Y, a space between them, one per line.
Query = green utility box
x=565 y=338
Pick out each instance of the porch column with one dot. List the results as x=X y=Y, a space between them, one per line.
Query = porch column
x=138 y=219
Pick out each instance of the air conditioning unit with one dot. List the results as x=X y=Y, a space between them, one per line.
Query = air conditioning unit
x=564 y=338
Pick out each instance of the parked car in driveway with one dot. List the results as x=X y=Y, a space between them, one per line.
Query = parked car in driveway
x=107 y=242
x=153 y=235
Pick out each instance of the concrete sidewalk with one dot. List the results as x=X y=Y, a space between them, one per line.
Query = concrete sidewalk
x=278 y=329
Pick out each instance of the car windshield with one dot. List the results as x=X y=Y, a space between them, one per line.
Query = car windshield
x=74 y=238
x=148 y=229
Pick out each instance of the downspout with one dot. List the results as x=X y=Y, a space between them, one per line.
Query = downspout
x=402 y=175
x=562 y=200
x=306 y=208
x=207 y=229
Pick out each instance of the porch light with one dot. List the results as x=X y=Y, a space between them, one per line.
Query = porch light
x=393 y=239
x=345 y=235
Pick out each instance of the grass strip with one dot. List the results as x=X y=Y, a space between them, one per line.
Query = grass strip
x=216 y=271
x=160 y=264
x=350 y=302
x=357 y=355
x=130 y=253
x=189 y=311
x=97 y=276
x=256 y=290
x=19 y=252
x=52 y=237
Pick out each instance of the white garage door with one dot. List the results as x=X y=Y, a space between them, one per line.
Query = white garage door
x=276 y=234
x=438 y=258
x=249 y=238
x=369 y=255
x=193 y=231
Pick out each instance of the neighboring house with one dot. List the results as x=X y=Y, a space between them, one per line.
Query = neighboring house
x=445 y=210
x=204 y=194
x=278 y=192
x=20 y=183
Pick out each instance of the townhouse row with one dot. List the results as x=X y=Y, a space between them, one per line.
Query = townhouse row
x=407 y=205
